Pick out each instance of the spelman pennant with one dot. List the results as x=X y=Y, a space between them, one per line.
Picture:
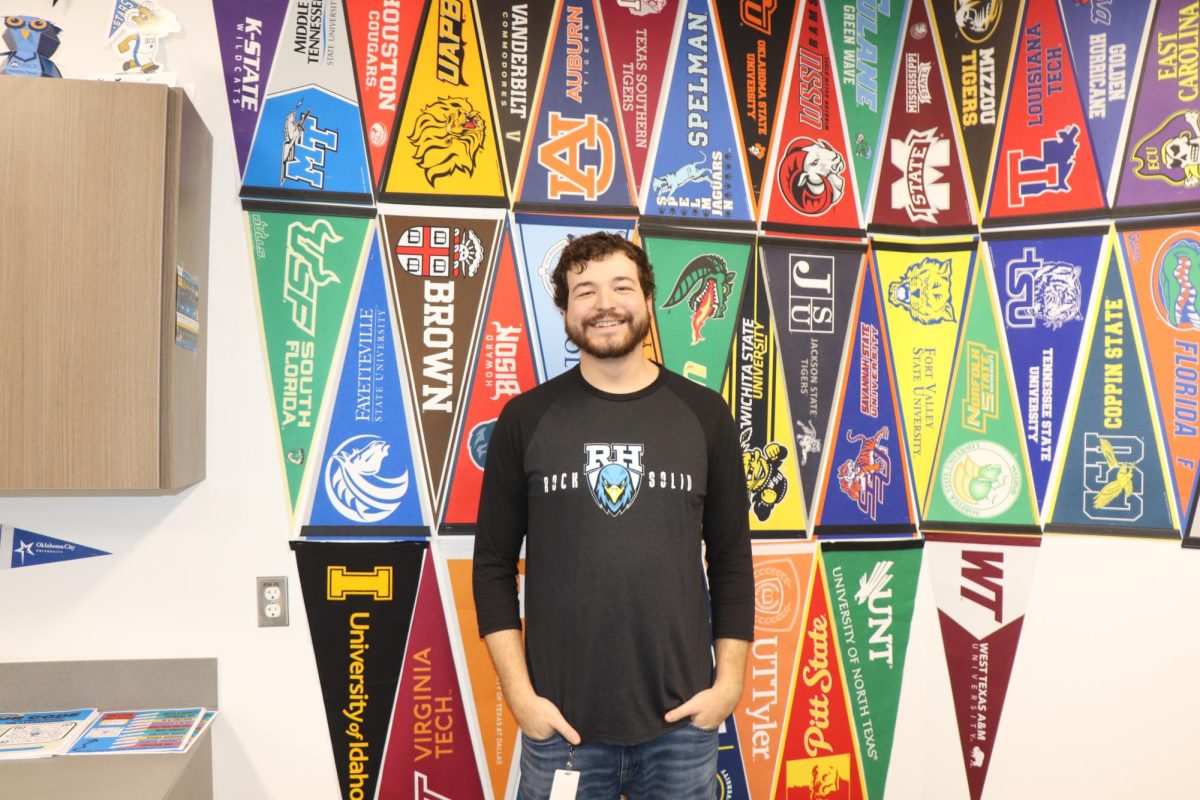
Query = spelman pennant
x=446 y=147
x=698 y=173
x=307 y=263
x=22 y=548
x=1113 y=476
x=812 y=294
x=699 y=280
x=248 y=33
x=309 y=143
x=756 y=393
x=360 y=599
x=981 y=586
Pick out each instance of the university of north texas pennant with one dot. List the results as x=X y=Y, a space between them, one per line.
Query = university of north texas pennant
x=981 y=586
x=248 y=33
x=1045 y=284
x=1044 y=164
x=812 y=184
x=697 y=175
x=503 y=370
x=309 y=143
x=922 y=177
x=812 y=295
x=307 y=264
x=1164 y=268
x=757 y=395
x=923 y=292
x=699 y=282
x=21 y=548
x=445 y=149
x=1113 y=475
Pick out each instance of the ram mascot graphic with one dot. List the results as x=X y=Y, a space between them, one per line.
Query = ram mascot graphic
x=810 y=176
x=925 y=292
x=447 y=137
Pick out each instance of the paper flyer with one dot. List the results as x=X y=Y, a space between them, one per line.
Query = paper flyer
x=163 y=730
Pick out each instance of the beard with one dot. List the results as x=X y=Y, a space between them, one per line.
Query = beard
x=611 y=347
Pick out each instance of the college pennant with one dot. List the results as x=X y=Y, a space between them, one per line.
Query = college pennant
x=981 y=586
x=307 y=264
x=873 y=589
x=1113 y=479
x=976 y=41
x=782 y=573
x=924 y=289
x=756 y=37
x=698 y=174
x=812 y=294
x=866 y=487
x=368 y=476
x=731 y=771
x=309 y=142
x=756 y=393
x=445 y=149
x=809 y=186
x=1161 y=170
x=247 y=33
x=864 y=58
x=637 y=33
x=359 y=598
x=1164 y=268
x=1045 y=166
x=981 y=474
x=440 y=267
x=575 y=157
x=1045 y=283
x=1106 y=42
x=503 y=369
x=22 y=548
x=922 y=178
x=429 y=749
x=699 y=279
x=382 y=35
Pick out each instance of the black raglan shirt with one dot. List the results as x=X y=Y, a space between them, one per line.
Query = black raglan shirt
x=612 y=494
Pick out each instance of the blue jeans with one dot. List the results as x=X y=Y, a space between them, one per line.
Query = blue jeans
x=679 y=765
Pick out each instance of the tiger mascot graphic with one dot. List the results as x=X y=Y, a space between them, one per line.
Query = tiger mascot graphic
x=447 y=136
x=1057 y=295
x=925 y=292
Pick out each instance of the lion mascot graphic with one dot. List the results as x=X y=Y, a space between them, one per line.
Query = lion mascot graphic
x=447 y=136
x=925 y=292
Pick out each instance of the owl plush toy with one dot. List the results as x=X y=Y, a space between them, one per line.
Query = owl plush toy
x=30 y=42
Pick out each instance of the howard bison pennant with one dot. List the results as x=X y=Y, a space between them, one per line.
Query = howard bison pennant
x=309 y=143
x=247 y=33
x=1044 y=164
x=1045 y=287
x=359 y=598
x=812 y=294
x=446 y=148
x=1113 y=476
x=922 y=177
x=981 y=586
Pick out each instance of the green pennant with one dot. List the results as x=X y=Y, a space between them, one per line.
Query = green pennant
x=307 y=266
x=981 y=474
x=872 y=590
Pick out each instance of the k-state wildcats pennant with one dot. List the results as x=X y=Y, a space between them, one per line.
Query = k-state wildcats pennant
x=698 y=175
x=1045 y=283
x=866 y=486
x=1045 y=165
x=503 y=370
x=309 y=144
x=699 y=281
x=1113 y=475
x=307 y=264
x=811 y=183
x=981 y=586
x=812 y=295
x=756 y=393
x=922 y=178
x=446 y=149
x=247 y=32
x=21 y=548
x=575 y=158
x=923 y=289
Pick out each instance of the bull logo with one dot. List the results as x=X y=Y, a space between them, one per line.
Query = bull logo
x=810 y=176
x=864 y=477
x=1034 y=176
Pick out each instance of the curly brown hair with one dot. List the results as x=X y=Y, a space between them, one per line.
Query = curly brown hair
x=594 y=247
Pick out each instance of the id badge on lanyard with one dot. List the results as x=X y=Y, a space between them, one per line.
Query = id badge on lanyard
x=566 y=781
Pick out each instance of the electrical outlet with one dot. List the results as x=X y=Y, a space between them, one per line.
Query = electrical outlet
x=272 y=602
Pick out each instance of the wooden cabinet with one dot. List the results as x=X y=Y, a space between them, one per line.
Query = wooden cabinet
x=104 y=220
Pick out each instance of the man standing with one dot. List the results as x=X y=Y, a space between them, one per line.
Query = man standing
x=613 y=473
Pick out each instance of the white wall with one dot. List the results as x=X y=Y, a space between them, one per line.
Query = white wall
x=1102 y=704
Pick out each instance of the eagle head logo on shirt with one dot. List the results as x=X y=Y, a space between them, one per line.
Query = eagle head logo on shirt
x=614 y=473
